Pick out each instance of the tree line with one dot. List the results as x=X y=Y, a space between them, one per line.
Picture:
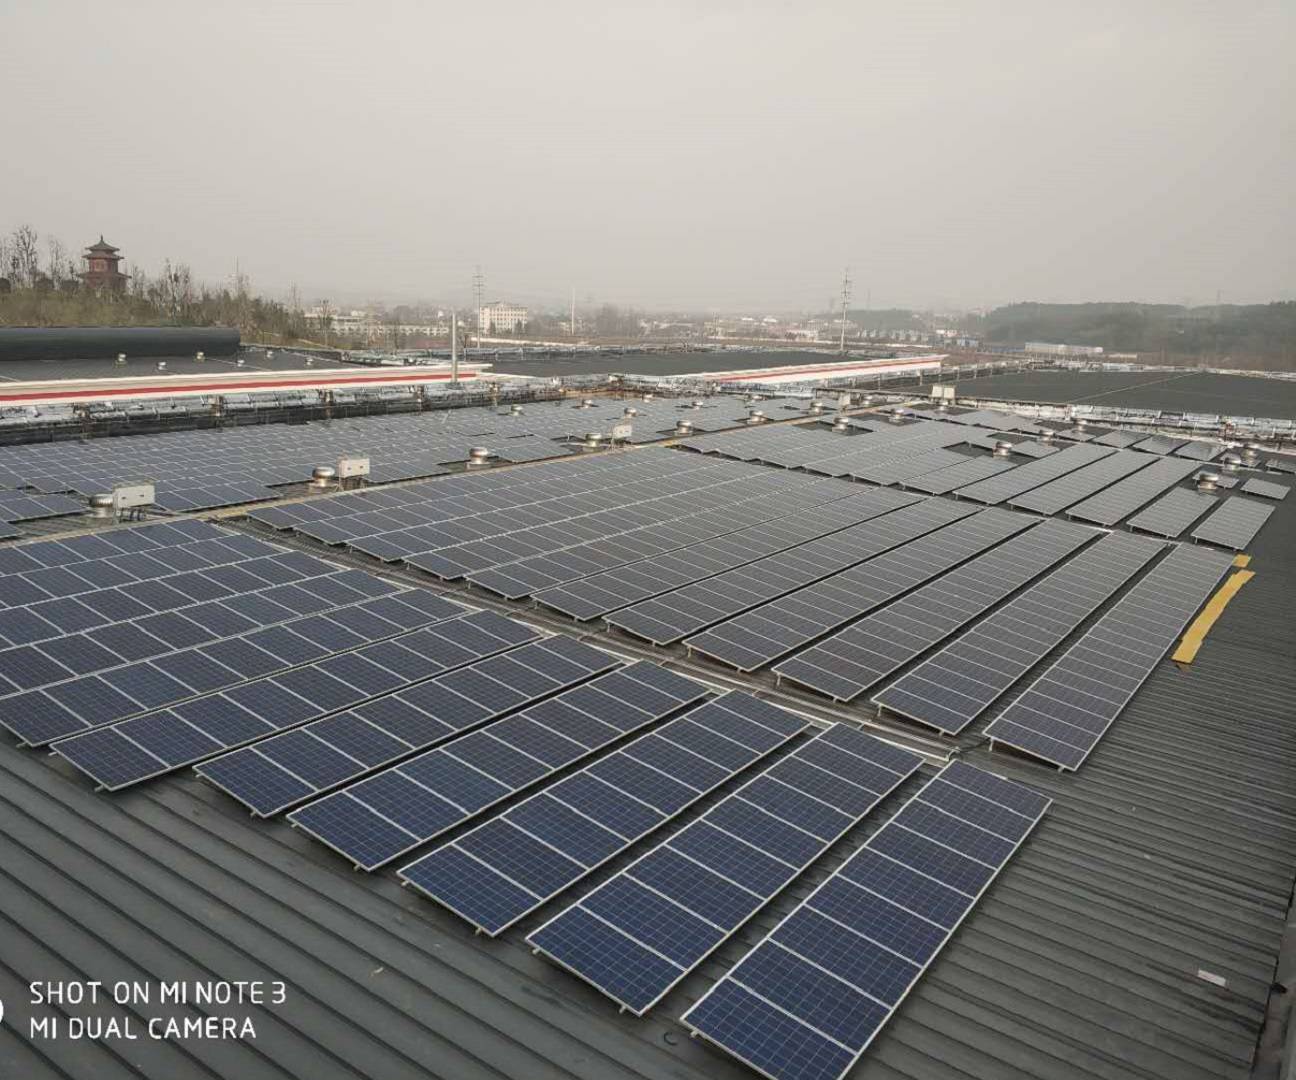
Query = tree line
x=40 y=285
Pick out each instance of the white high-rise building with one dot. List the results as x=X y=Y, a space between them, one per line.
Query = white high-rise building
x=500 y=316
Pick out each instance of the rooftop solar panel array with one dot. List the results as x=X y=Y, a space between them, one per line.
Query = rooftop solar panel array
x=1117 y=502
x=1199 y=451
x=1120 y=439
x=1173 y=512
x=1158 y=444
x=673 y=616
x=1266 y=489
x=18 y=506
x=141 y=748
x=949 y=690
x=94 y=657
x=762 y=635
x=511 y=864
x=202 y=469
x=965 y=472
x=1063 y=714
x=380 y=818
x=603 y=593
x=809 y=999
x=666 y=514
x=1033 y=474
x=823 y=501
x=1281 y=465
x=1025 y=447
x=638 y=934
x=271 y=775
x=897 y=470
x=1066 y=490
x=1234 y=523
x=859 y=657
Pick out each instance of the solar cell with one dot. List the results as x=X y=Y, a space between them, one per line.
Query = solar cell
x=606 y=592
x=1063 y=714
x=703 y=883
x=1266 y=489
x=252 y=710
x=859 y=657
x=674 y=615
x=1033 y=474
x=765 y=634
x=512 y=864
x=1058 y=494
x=956 y=685
x=1234 y=523
x=380 y=818
x=811 y=997
x=1121 y=499
x=1173 y=512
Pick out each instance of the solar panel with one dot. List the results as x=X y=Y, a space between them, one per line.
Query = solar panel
x=808 y=1000
x=1033 y=474
x=1173 y=512
x=966 y=472
x=267 y=778
x=1234 y=523
x=766 y=633
x=511 y=864
x=638 y=934
x=113 y=658
x=606 y=592
x=1158 y=444
x=1058 y=494
x=779 y=495
x=1063 y=714
x=1121 y=499
x=897 y=470
x=1281 y=465
x=1120 y=439
x=673 y=616
x=380 y=818
x=956 y=685
x=1266 y=489
x=131 y=751
x=1199 y=451
x=850 y=662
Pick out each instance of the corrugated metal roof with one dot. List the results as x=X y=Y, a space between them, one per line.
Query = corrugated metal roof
x=1171 y=850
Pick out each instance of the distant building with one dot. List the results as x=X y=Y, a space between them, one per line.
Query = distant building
x=1049 y=348
x=102 y=267
x=499 y=316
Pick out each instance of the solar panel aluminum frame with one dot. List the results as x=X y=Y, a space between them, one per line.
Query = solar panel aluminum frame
x=613 y=664
x=1098 y=736
x=597 y=753
x=668 y=819
x=922 y=970
x=167 y=768
x=827 y=846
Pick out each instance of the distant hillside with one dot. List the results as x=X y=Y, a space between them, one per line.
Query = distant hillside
x=1255 y=334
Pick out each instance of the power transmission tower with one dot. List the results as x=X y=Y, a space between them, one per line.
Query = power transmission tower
x=845 y=302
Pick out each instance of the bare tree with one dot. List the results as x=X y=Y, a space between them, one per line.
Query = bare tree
x=24 y=257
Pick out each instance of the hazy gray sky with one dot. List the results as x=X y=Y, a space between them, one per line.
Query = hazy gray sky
x=667 y=154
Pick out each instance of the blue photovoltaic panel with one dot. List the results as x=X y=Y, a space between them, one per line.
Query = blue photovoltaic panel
x=1063 y=714
x=954 y=687
x=204 y=727
x=848 y=663
x=638 y=934
x=268 y=776
x=1234 y=523
x=375 y=820
x=766 y=633
x=808 y=1000
x=511 y=864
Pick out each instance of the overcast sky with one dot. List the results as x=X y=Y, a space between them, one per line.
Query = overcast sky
x=696 y=154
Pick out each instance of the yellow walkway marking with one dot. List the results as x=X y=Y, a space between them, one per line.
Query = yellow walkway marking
x=1201 y=625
